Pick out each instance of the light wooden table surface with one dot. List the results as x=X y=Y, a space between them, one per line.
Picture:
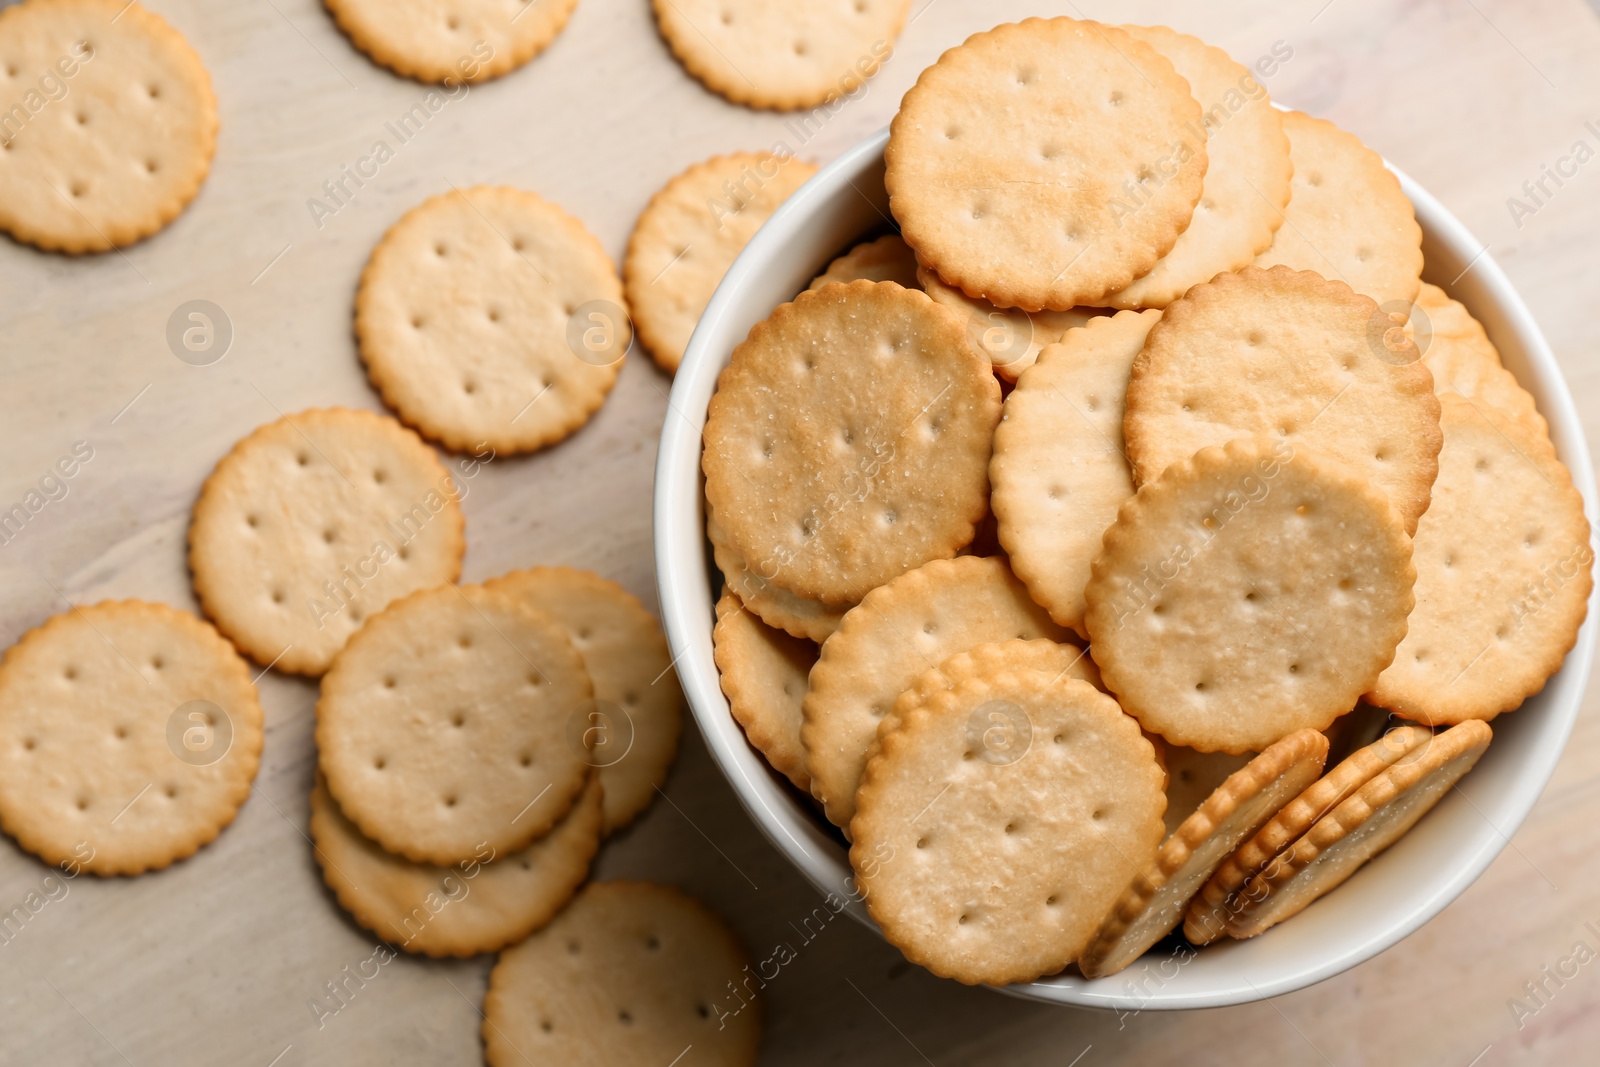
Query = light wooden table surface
x=216 y=959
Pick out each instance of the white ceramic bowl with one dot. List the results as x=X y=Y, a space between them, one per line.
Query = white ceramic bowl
x=1389 y=898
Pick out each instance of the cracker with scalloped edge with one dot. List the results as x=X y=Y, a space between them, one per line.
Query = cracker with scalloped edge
x=1504 y=571
x=1347 y=217
x=887 y=259
x=1060 y=470
x=451 y=42
x=776 y=606
x=1250 y=591
x=1045 y=163
x=1009 y=338
x=763 y=673
x=1000 y=820
x=1457 y=350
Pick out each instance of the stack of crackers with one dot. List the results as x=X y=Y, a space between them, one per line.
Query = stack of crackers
x=1133 y=541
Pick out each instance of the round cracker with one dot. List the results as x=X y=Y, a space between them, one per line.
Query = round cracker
x=1000 y=821
x=1248 y=592
x=763 y=673
x=631 y=972
x=1060 y=470
x=1192 y=776
x=1377 y=816
x=1155 y=901
x=481 y=905
x=778 y=55
x=900 y=630
x=1247 y=176
x=689 y=235
x=777 y=606
x=1504 y=571
x=1287 y=353
x=888 y=259
x=848 y=440
x=313 y=523
x=638 y=700
x=490 y=318
x=451 y=41
x=1347 y=217
x=1029 y=165
x=1210 y=909
x=1010 y=339
x=1462 y=359
x=447 y=723
x=124 y=149
x=130 y=734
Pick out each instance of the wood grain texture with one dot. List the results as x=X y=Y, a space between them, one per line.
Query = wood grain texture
x=216 y=959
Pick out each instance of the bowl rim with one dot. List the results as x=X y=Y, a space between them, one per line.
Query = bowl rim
x=684 y=579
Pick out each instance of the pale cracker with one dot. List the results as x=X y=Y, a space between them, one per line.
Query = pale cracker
x=1030 y=165
x=630 y=973
x=112 y=124
x=848 y=440
x=1347 y=218
x=1504 y=571
x=451 y=41
x=452 y=719
x=1000 y=821
x=763 y=673
x=1010 y=339
x=776 y=606
x=490 y=318
x=1458 y=352
x=1364 y=825
x=1247 y=179
x=1292 y=354
x=689 y=235
x=778 y=55
x=312 y=523
x=1192 y=776
x=887 y=259
x=899 y=631
x=1209 y=911
x=1155 y=901
x=481 y=905
x=638 y=701
x=1248 y=592
x=130 y=735
x=1060 y=471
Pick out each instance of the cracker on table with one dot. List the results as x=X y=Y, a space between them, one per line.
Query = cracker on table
x=1347 y=218
x=638 y=712
x=887 y=259
x=630 y=972
x=1504 y=571
x=1285 y=353
x=778 y=55
x=775 y=605
x=689 y=235
x=130 y=734
x=490 y=318
x=848 y=440
x=763 y=674
x=899 y=631
x=480 y=905
x=1251 y=591
x=1060 y=469
x=313 y=523
x=1247 y=177
x=1210 y=909
x=451 y=41
x=999 y=822
x=126 y=146
x=1010 y=339
x=1155 y=901
x=448 y=722
x=1377 y=816
x=1045 y=163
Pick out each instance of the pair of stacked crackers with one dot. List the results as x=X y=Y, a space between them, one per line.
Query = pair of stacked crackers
x=1136 y=477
